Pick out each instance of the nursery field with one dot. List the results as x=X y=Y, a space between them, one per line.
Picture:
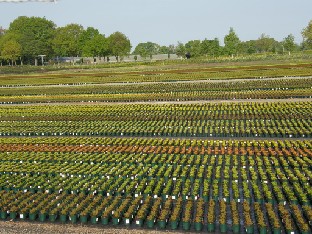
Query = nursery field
x=193 y=148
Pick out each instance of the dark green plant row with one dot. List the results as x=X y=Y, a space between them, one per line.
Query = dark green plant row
x=161 y=96
x=287 y=120
x=157 y=145
x=162 y=174
x=276 y=84
x=234 y=187
x=223 y=128
x=237 y=157
x=175 y=112
x=149 y=212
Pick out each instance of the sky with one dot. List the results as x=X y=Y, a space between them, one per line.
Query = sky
x=166 y=22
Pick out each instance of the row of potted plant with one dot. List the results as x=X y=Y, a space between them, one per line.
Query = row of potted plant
x=292 y=147
x=140 y=128
x=93 y=208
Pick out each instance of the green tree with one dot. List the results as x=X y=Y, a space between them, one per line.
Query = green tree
x=164 y=50
x=146 y=49
x=119 y=45
x=34 y=34
x=171 y=49
x=96 y=46
x=67 y=40
x=11 y=51
x=249 y=47
x=193 y=47
x=231 y=43
x=210 y=47
x=266 y=44
x=6 y=38
x=289 y=43
x=307 y=36
x=167 y=50
x=180 y=49
x=141 y=50
x=88 y=35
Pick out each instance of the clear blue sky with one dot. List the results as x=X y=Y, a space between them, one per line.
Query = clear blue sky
x=168 y=21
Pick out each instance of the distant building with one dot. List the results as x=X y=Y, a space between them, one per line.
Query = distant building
x=112 y=59
x=67 y=59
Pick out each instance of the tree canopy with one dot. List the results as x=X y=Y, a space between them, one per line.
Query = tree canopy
x=34 y=34
x=193 y=48
x=146 y=49
x=67 y=40
x=289 y=43
x=11 y=51
x=180 y=49
x=119 y=44
x=231 y=43
x=210 y=47
x=28 y=37
x=307 y=35
x=265 y=43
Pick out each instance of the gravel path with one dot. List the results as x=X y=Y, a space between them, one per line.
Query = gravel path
x=21 y=227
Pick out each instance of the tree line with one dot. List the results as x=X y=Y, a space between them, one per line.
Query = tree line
x=28 y=37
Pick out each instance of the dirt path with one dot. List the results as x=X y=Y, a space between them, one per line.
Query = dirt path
x=21 y=227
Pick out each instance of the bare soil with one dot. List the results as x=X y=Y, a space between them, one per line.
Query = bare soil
x=18 y=227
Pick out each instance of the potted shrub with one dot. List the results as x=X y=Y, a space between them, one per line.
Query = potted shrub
x=63 y=215
x=186 y=219
x=247 y=219
x=23 y=213
x=176 y=213
x=302 y=224
x=43 y=214
x=105 y=216
x=110 y=210
x=222 y=216
x=273 y=218
x=235 y=217
x=116 y=217
x=73 y=215
x=33 y=214
x=129 y=214
x=142 y=212
x=164 y=213
x=3 y=211
x=53 y=214
x=151 y=218
x=13 y=212
x=211 y=216
x=83 y=216
x=198 y=220
x=260 y=219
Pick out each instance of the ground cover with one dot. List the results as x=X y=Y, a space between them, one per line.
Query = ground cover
x=159 y=73
x=64 y=158
x=184 y=120
x=216 y=185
